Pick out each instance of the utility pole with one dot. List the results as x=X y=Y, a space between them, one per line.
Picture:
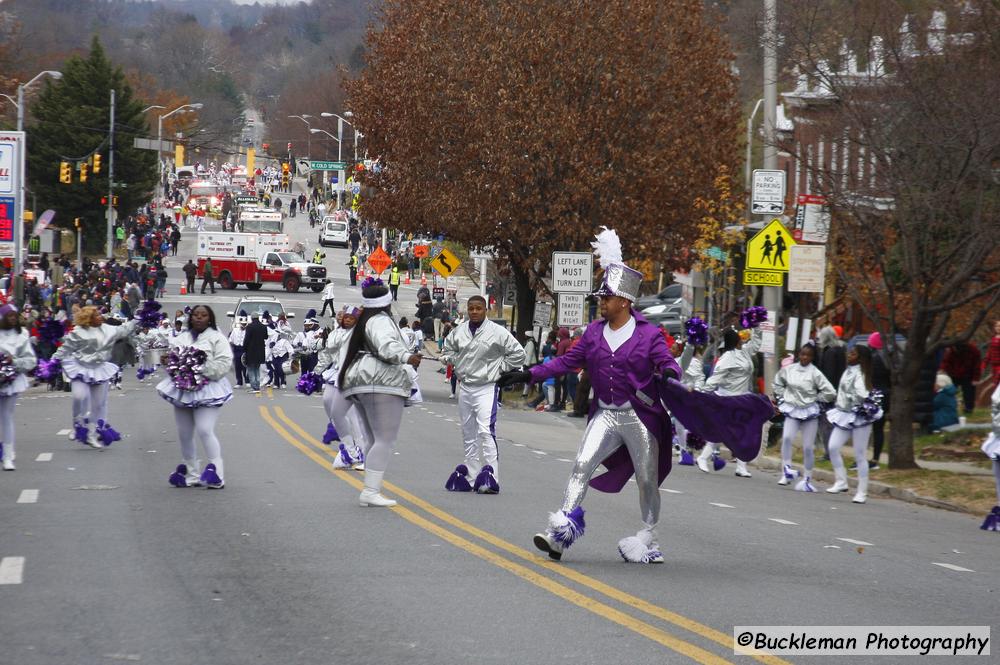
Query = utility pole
x=772 y=294
x=111 y=180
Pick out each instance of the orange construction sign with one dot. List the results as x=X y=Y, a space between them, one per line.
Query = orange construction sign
x=379 y=260
x=420 y=251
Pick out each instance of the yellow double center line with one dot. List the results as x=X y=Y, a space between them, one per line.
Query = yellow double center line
x=321 y=454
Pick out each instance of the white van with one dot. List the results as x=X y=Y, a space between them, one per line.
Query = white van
x=334 y=232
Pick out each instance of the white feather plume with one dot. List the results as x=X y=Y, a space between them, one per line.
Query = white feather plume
x=608 y=248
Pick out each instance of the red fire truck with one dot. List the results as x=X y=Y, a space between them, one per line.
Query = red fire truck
x=255 y=259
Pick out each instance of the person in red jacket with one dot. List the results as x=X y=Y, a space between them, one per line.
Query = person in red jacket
x=961 y=362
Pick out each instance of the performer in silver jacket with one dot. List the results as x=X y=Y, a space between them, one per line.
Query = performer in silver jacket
x=852 y=418
x=18 y=358
x=344 y=422
x=733 y=375
x=375 y=377
x=799 y=388
x=480 y=352
x=85 y=354
x=196 y=407
x=991 y=447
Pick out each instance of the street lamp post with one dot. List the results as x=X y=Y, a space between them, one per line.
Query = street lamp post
x=308 y=136
x=185 y=108
x=340 y=135
x=313 y=130
x=19 y=230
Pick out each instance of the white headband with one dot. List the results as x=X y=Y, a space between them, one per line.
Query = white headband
x=381 y=301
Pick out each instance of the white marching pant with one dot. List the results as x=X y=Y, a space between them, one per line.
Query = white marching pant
x=477 y=414
x=859 y=439
x=808 y=428
x=996 y=477
x=200 y=421
x=7 y=403
x=90 y=400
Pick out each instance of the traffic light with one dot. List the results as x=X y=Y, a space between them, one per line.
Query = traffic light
x=265 y=146
x=289 y=147
x=77 y=222
x=104 y=200
x=65 y=173
x=83 y=172
x=97 y=163
x=114 y=201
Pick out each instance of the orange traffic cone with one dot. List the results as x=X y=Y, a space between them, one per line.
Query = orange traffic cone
x=361 y=271
x=407 y=280
x=423 y=279
x=183 y=290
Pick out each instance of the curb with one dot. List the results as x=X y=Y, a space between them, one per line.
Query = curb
x=874 y=488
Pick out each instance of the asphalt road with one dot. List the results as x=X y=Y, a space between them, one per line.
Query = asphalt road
x=102 y=561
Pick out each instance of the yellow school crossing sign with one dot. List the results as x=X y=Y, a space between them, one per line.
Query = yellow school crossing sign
x=769 y=248
x=445 y=263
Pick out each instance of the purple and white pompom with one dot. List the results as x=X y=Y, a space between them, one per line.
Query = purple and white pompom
x=697 y=331
x=371 y=281
x=46 y=370
x=871 y=407
x=149 y=315
x=185 y=368
x=7 y=370
x=309 y=383
x=753 y=316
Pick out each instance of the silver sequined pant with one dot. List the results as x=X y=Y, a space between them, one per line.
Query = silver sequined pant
x=607 y=430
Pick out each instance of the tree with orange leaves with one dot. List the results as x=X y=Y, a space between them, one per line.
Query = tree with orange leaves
x=523 y=126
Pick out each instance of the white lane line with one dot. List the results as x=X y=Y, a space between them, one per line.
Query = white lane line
x=951 y=566
x=451 y=420
x=44 y=457
x=781 y=521
x=62 y=432
x=539 y=452
x=28 y=496
x=519 y=445
x=719 y=505
x=11 y=570
x=855 y=542
x=670 y=491
x=563 y=459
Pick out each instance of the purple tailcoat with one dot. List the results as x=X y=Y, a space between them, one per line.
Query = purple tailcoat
x=631 y=374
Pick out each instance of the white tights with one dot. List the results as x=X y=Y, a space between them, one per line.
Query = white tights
x=90 y=400
x=859 y=438
x=808 y=428
x=381 y=416
x=202 y=421
x=7 y=403
x=996 y=477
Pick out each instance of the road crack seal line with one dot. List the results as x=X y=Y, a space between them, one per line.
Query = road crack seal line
x=562 y=570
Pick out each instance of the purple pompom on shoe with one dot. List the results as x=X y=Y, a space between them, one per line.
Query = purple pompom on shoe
x=486 y=482
x=331 y=434
x=179 y=477
x=992 y=521
x=309 y=383
x=567 y=528
x=107 y=434
x=458 y=481
x=81 y=431
x=718 y=463
x=687 y=459
x=211 y=478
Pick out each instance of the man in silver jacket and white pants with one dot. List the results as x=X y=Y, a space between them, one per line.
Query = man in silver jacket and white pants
x=480 y=352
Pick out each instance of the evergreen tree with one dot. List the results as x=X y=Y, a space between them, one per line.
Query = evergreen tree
x=70 y=124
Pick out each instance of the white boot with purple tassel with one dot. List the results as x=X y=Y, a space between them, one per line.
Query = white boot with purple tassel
x=641 y=548
x=564 y=530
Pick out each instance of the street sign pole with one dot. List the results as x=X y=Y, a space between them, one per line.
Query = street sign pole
x=111 y=179
x=772 y=295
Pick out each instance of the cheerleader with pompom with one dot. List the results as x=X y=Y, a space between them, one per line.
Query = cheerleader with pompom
x=85 y=354
x=992 y=449
x=733 y=375
x=857 y=407
x=373 y=376
x=799 y=389
x=694 y=378
x=17 y=358
x=344 y=423
x=197 y=364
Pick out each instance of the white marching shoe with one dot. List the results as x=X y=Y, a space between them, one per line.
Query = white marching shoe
x=8 y=465
x=741 y=469
x=861 y=496
x=703 y=459
x=788 y=474
x=841 y=484
x=371 y=495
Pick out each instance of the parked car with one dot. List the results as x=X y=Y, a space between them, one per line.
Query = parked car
x=333 y=232
x=670 y=307
x=668 y=294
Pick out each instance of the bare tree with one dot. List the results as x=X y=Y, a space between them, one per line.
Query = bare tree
x=909 y=108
